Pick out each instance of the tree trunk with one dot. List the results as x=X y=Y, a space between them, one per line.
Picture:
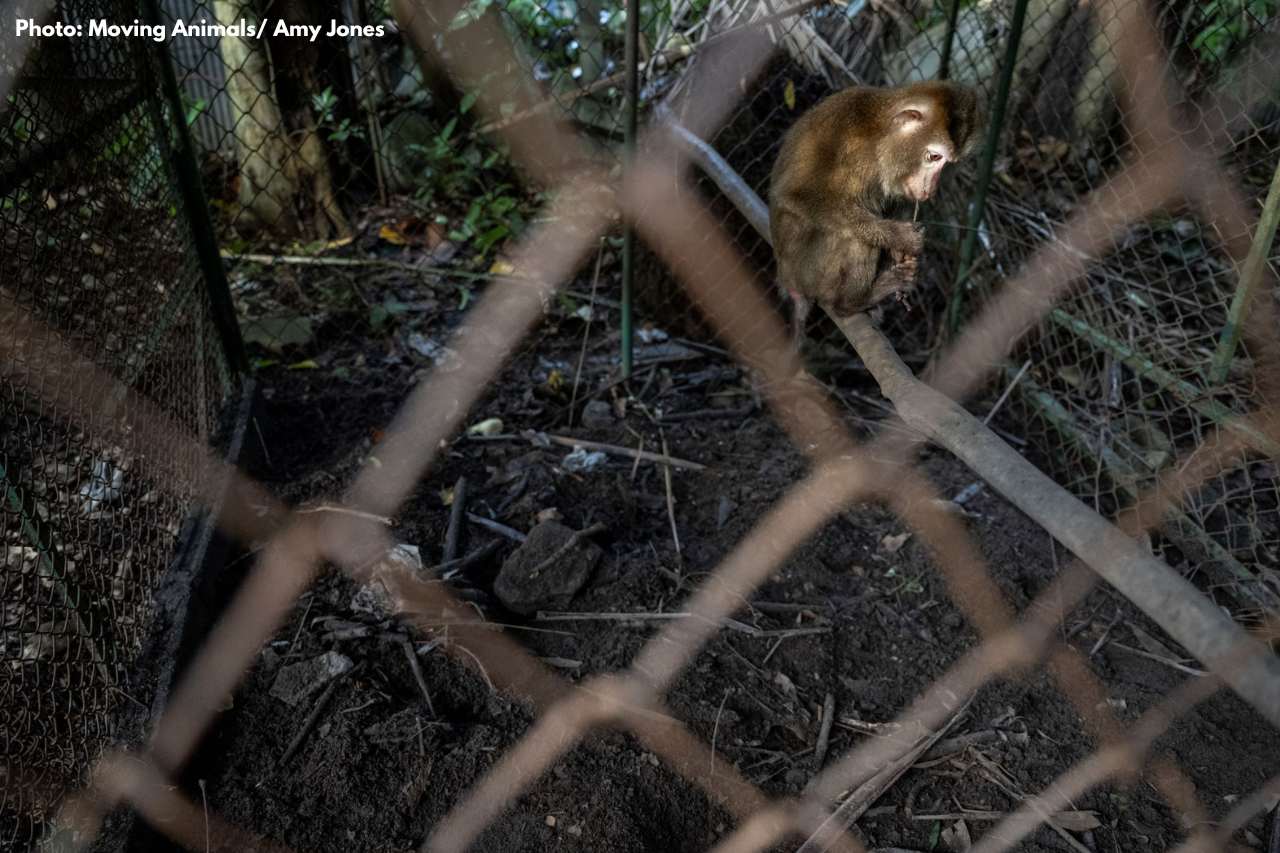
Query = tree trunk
x=284 y=173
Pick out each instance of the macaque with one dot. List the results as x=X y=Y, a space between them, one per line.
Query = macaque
x=842 y=166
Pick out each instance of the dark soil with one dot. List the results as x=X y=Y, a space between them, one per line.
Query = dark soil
x=378 y=772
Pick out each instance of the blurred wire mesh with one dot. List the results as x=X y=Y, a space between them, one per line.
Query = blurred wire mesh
x=1120 y=376
x=95 y=243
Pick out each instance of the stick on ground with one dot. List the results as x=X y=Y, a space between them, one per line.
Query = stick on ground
x=456 y=510
x=314 y=714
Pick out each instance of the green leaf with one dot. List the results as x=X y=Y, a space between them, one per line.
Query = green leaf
x=491 y=236
x=935 y=835
x=468 y=101
x=277 y=333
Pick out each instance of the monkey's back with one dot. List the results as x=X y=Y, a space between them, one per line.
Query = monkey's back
x=826 y=169
x=830 y=149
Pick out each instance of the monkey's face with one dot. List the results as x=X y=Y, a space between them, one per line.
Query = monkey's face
x=931 y=127
x=926 y=148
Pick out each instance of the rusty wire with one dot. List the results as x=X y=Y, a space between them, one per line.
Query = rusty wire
x=842 y=472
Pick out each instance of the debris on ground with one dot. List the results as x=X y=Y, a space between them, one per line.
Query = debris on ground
x=296 y=681
x=546 y=571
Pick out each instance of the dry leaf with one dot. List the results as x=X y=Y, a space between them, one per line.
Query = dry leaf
x=956 y=837
x=389 y=234
x=893 y=543
x=488 y=426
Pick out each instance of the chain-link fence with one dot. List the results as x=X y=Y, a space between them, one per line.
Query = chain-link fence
x=301 y=164
x=1132 y=371
x=97 y=246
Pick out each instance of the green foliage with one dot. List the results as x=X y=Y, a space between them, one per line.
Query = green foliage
x=463 y=166
x=1227 y=24
x=192 y=108
x=385 y=311
x=325 y=104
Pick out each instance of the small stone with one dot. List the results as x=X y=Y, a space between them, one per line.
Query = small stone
x=297 y=681
x=724 y=511
x=579 y=461
x=551 y=820
x=525 y=585
x=597 y=414
x=891 y=544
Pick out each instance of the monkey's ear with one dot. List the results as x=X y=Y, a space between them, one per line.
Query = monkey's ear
x=907 y=118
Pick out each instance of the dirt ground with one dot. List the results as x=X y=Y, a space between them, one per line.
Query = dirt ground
x=379 y=770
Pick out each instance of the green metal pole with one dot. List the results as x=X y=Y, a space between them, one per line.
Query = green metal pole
x=196 y=209
x=1250 y=278
x=987 y=163
x=629 y=154
x=953 y=14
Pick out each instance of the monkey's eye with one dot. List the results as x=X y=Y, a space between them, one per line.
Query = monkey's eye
x=932 y=157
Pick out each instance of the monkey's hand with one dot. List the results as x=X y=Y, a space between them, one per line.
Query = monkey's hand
x=906 y=241
x=905 y=269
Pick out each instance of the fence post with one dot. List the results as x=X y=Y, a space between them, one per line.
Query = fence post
x=629 y=155
x=944 y=66
x=196 y=208
x=1247 y=286
x=986 y=164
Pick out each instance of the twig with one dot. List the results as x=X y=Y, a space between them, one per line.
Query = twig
x=449 y=570
x=871 y=790
x=960 y=743
x=824 y=731
x=314 y=714
x=732 y=624
x=569 y=545
x=293 y=644
x=715 y=733
x=671 y=504
x=412 y=657
x=707 y=414
x=586 y=334
x=484 y=673
x=455 y=520
x=497 y=527
x=636 y=464
x=1273 y=846
x=1172 y=664
x=204 y=801
x=1097 y=646
x=385 y=263
x=1007 y=391
x=342 y=510
x=567 y=441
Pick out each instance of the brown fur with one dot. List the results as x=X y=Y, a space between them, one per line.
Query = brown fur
x=841 y=166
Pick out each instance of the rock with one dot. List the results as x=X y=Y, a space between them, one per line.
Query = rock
x=555 y=584
x=724 y=511
x=371 y=597
x=579 y=461
x=299 y=680
x=597 y=414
